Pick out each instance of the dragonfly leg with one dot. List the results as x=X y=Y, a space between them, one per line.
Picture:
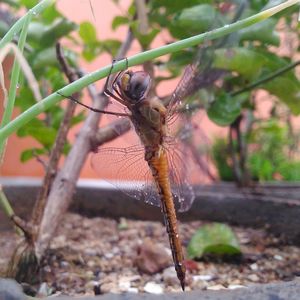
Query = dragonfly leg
x=109 y=88
x=94 y=109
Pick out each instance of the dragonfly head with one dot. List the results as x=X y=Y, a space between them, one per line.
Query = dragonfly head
x=134 y=85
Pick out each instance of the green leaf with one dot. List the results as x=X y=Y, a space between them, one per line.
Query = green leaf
x=225 y=109
x=61 y=27
x=198 y=18
x=244 y=61
x=173 y=6
x=29 y=3
x=36 y=129
x=118 y=21
x=144 y=39
x=45 y=58
x=217 y=239
x=32 y=153
x=88 y=32
x=262 y=31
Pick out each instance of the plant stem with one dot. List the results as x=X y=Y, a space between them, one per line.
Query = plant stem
x=13 y=84
x=20 y=23
x=267 y=78
x=135 y=60
x=6 y=207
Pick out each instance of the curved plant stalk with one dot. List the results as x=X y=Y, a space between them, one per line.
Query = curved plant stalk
x=13 y=85
x=135 y=60
x=32 y=82
x=20 y=23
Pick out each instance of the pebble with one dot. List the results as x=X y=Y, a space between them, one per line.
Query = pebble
x=278 y=257
x=203 y=277
x=216 y=287
x=254 y=267
x=253 y=277
x=153 y=288
x=236 y=286
x=169 y=276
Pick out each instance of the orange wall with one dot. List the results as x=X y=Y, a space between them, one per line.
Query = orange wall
x=80 y=11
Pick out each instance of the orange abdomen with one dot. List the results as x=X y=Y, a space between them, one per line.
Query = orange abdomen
x=160 y=170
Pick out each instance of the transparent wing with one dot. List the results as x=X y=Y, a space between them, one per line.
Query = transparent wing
x=182 y=90
x=127 y=170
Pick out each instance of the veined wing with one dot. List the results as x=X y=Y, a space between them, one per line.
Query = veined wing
x=127 y=170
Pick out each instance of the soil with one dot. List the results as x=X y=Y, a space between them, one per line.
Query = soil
x=99 y=254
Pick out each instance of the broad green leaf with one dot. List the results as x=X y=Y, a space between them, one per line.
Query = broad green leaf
x=45 y=58
x=262 y=31
x=25 y=99
x=32 y=153
x=58 y=29
x=88 y=32
x=217 y=239
x=144 y=39
x=287 y=90
x=36 y=31
x=198 y=18
x=44 y=135
x=225 y=109
x=174 y=6
x=50 y=14
x=242 y=60
x=29 y=3
x=118 y=21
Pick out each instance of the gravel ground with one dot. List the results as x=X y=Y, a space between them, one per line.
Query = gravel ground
x=87 y=252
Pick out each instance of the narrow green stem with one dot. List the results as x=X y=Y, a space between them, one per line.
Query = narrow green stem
x=19 y=24
x=14 y=83
x=135 y=60
x=6 y=207
x=266 y=79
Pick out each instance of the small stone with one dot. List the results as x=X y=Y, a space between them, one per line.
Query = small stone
x=91 y=263
x=253 y=277
x=152 y=258
x=44 y=290
x=254 y=267
x=153 y=288
x=216 y=287
x=108 y=255
x=124 y=285
x=203 y=277
x=64 y=264
x=169 y=276
x=133 y=290
x=236 y=286
x=278 y=257
x=90 y=252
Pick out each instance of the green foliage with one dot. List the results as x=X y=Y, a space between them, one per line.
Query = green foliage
x=43 y=33
x=271 y=156
x=243 y=56
x=216 y=239
x=220 y=154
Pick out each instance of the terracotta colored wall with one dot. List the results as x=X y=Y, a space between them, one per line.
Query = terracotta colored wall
x=79 y=11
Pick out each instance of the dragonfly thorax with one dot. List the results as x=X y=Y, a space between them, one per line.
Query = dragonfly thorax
x=134 y=86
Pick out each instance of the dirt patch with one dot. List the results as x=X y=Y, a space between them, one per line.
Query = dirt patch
x=90 y=251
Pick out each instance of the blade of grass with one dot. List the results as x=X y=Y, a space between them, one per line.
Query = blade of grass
x=140 y=58
x=14 y=84
x=19 y=24
x=6 y=207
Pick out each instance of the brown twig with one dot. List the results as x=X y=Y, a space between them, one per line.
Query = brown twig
x=64 y=183
x=58 y=145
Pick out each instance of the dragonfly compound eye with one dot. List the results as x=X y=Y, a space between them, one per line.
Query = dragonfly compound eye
x=139 y=86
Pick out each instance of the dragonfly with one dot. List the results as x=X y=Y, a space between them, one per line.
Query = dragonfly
x=160 y=172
